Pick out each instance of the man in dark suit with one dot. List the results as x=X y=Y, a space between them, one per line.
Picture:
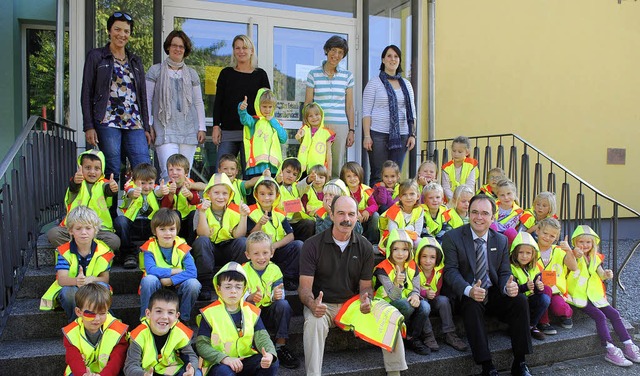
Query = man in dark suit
x=478 y=278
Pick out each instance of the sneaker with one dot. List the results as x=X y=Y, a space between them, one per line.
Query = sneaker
x=454 y=341
x=632 y=352
x=535 y=333
x=130 y=262
x=430 y=341
x=418 y=347
x=567 y=323
x=547 y=329
x=287 y=359
x=615 y=356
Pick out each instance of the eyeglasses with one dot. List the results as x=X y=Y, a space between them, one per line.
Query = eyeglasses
x=177 y=46
x=122 y=14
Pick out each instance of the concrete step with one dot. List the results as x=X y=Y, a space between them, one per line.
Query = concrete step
x=46 y=356
x=37 y=281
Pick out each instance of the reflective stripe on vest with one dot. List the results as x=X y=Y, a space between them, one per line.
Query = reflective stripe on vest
x=95 y=357
x=179 y=252
x=437 y=274
x=134 y=207
x=434 y=226
x=585 y=284
x=522 y=277
x=313 y=149
x=365 y=193
x=468 y=165
x=100 y=262
x=388 y=268
x=264 y=147
x=515 y=211
x=272 y=227
x=313 y=202
x=181 y=204
x=396 y=214
x=270 y=275
x=168 y=361
x=556 y=263
x=452 y=217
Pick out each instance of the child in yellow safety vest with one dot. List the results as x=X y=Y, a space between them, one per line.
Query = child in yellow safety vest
x=265 y=289
x=161 y=345
x=265 y=216
x=587 y=292
x=183 y=195
x=291 y=190
x=352 y=174
x=507 y=218
x=461 y=169
x=89 y=187
x=544 y=206
x=427 y=173
x=406 y=214
x=228 y=164
x=221 y=229
x=397 y=281
x=81 y=261
x=262 y=135
x=315 y=139
x=430 y=261
x=141 y=202
x=386 y=191
x=555 y=262
x=312 y=200
x=493 y=177
x=458 y=214
x=526 y=272
x=432 y=196
x=168 y=264
x=232 y=338
x=96 y=342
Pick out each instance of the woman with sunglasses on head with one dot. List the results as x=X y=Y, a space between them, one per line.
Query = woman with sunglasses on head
x=175 y=101
x=114 y=100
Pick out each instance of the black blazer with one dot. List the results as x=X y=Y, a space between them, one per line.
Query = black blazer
x=460 y=260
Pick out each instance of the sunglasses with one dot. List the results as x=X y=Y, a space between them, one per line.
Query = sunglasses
x=121 y=15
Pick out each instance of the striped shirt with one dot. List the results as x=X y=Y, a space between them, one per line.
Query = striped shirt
x=375 y=104
x=330 y=93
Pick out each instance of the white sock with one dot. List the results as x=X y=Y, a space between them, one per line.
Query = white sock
x=393 y=373
x=628 y=342
x=610 y=345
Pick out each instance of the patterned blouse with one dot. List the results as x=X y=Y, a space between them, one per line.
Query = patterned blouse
x=122 y=110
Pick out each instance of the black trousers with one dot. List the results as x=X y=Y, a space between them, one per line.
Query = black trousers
x=512 y=311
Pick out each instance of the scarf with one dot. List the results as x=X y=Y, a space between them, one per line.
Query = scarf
x=395 y=142
x=164 y=90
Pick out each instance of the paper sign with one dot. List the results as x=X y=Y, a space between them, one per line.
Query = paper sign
x=549 y=277
x=292 y=206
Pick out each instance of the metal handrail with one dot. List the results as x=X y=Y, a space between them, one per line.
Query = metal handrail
x=526 y=186
x=33 y=178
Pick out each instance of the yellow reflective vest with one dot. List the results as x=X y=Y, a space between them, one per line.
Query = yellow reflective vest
x=223 y=231
x=264 y=146
x=387 y=267
x=396 y=214
x=225 y=337
x=434 y=226
x=468 y=165
x=292 y=193
x=100 y=262
x=452 y=217
x=133 y=208
x=585 y=284
x=167 y=360
x=313 y=202
x=93 y=198
x=272 y=227
x=556 y=264
x=313 y=148
x=181 y=203
x=179 y=252
x=522 y=276
x=271 y=274
x=365 y=193
x=95 y=356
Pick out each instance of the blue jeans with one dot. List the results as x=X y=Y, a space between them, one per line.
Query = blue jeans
x=233 y=148
x=67 y=299
x=380 y=153
x=414 y=317
x=277 y=316
x=205 y=254
x=250 y=366
x=187 y=291
x=370 y=228
x=288 y=260
x=128 y=230
x=538 y=304
x=113 y=141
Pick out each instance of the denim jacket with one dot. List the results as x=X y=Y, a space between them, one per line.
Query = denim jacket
x=96 y=86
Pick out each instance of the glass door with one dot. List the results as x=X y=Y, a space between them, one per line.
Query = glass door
x=288 y=45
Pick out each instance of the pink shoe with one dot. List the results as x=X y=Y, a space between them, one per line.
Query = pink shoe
x=615 y=356
x=632 y=352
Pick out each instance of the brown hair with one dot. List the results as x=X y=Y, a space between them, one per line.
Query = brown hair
x=188 y=46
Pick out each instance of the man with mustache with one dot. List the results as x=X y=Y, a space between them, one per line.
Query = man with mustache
x=335 y=266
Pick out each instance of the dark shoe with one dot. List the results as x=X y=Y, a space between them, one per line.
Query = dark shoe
x=521 y=370
x=536 y=334
x=491 y=372
x=430 y=341
x=454 y=341
x=290 y=285
x=130 y=262
x=205 y=296
x=567 y=323
x=287 y=359
x=547 y=329
x=418 y=347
